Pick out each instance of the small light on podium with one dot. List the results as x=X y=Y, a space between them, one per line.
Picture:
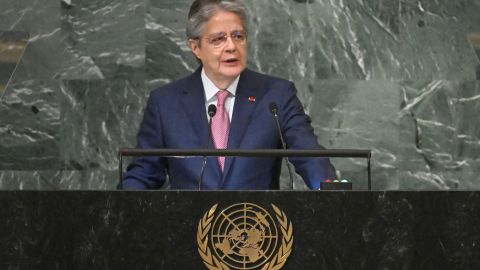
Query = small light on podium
x=336 y=185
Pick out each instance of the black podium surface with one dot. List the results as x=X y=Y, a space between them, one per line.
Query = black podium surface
x=160 y=229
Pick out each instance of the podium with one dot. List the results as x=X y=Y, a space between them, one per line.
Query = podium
x=160 y=229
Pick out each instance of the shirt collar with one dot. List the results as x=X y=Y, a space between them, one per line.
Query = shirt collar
x=211 y=90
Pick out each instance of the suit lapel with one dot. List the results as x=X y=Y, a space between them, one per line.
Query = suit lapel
x=249 y=94
x=193 y=102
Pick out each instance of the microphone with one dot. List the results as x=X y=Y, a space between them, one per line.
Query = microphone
x=212 y=110
x=274 y=110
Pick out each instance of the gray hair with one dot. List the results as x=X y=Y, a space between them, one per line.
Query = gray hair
x=202 y=10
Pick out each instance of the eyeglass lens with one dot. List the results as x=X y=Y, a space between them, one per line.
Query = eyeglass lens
x=220 y=38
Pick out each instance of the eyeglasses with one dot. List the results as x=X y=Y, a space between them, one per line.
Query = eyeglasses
x=219 y=39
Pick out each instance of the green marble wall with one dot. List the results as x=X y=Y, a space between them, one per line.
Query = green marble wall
x=398 y=77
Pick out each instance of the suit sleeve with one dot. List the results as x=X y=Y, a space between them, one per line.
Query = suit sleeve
x=299 y=134
x=147 y=172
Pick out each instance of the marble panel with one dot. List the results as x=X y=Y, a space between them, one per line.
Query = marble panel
x=394 y=40
x=98 y=118
x=167 y=52
x=57 y=180
x=27 y=180
x=359 y=114
x=418 y=131
x=30 y=120
x=440 y=129
x=106 y=38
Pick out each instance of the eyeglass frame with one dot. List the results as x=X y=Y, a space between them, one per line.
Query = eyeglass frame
x=225 y=37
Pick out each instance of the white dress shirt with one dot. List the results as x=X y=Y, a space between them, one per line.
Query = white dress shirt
x=211 y=94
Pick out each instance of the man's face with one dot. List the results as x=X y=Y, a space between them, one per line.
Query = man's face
x=223 y=60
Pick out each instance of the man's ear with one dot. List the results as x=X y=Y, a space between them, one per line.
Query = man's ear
x=195 y=47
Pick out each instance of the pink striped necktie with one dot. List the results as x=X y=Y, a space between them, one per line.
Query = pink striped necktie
x=221 y=125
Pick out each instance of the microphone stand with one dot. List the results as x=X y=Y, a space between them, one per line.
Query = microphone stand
x=212 y=110
x=274 y=110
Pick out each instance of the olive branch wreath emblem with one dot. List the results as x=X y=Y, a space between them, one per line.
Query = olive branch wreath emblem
x=213 y=263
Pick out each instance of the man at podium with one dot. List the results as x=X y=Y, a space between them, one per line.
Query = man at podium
x=241 y=103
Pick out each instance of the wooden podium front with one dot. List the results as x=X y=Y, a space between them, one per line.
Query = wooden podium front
x=239 y=230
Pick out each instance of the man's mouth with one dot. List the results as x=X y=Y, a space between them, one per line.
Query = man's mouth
x=231 y=60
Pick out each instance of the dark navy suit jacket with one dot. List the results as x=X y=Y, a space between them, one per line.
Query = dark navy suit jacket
x=175 y=117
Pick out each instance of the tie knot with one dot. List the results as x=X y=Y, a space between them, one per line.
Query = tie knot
x=222 y=96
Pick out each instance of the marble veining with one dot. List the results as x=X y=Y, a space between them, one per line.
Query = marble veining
x=397 y=77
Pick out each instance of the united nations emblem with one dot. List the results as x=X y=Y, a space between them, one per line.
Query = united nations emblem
x=244 y=236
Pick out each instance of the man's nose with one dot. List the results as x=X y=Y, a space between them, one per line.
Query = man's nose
x=230 y=45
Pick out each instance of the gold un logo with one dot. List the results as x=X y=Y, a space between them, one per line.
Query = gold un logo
x=244 y=236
